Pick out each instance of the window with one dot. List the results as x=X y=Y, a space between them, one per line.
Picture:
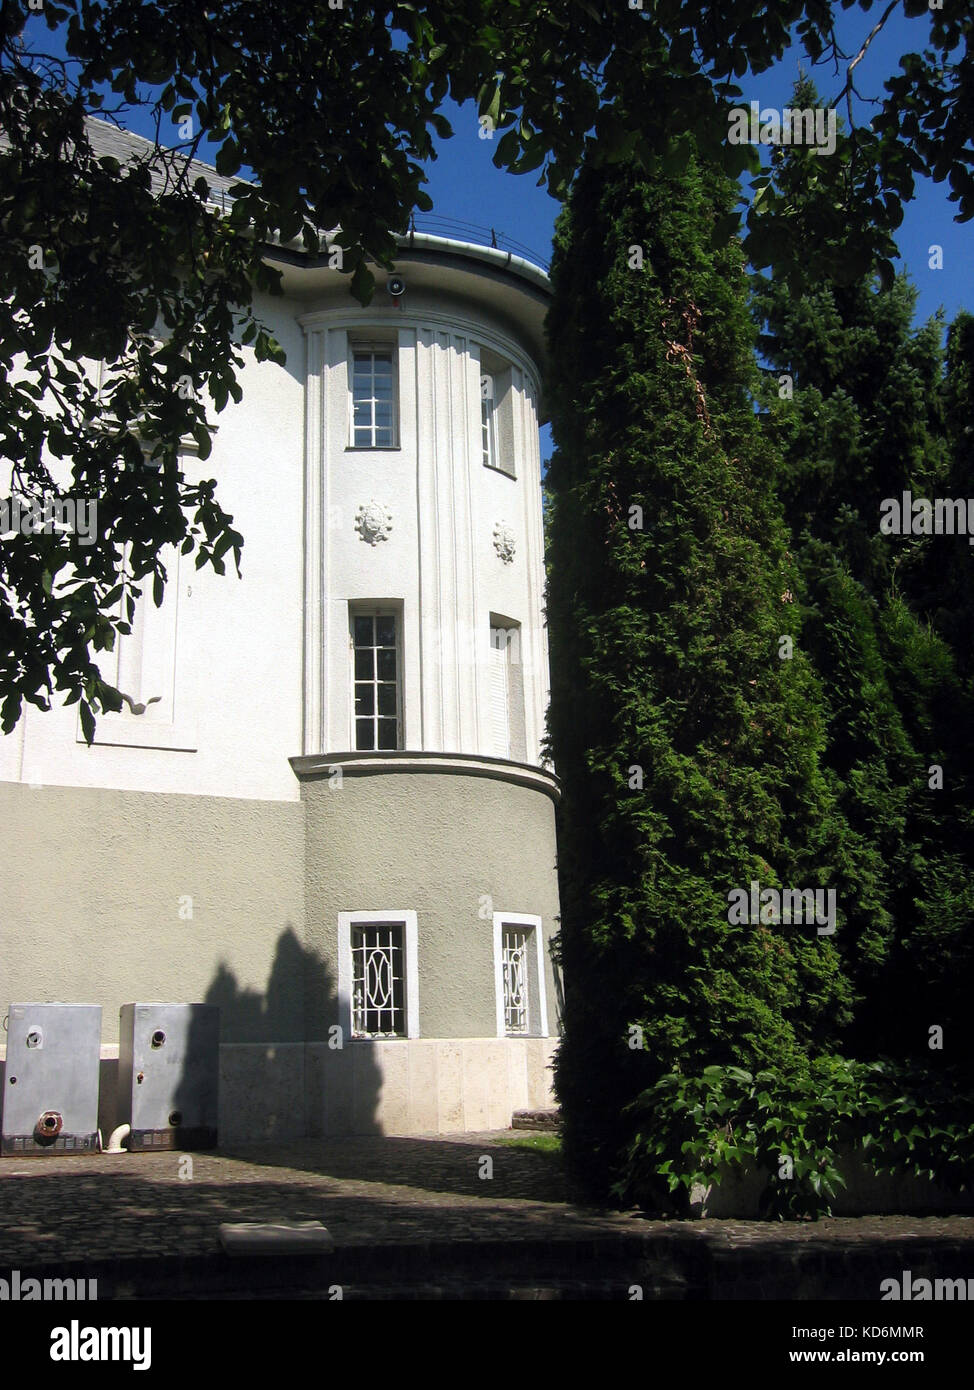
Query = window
x=514 y=960
x=130 y=647
x=497 y=408
x=376 y=666
x=378 y=980
x=377 y=974
x=488 y=434
x=506 y=690
x=522 y=1009
x=374 y=407
x=158 y=710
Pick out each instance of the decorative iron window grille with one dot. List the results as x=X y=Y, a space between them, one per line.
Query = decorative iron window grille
x=515 y=980
x=378 y=986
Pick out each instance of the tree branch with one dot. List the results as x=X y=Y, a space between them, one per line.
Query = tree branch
x=849 y=88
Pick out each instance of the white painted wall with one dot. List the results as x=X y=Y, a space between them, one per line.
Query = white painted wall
x=439 y=560
x=259 y=667
x=237 y=664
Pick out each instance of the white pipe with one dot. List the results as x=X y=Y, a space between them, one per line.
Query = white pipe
x=115 y=1139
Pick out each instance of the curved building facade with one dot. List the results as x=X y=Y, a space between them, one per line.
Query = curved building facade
x=332 y=817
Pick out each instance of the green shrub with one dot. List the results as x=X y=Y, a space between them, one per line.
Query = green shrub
x=795 y=1129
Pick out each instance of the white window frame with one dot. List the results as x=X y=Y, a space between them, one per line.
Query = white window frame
x=488 y=427
x=505 y=664
x=378 y=609
x=373 y=345
x=539 y=1006
x=168 y=719
x=404 y=917
x=496 y=387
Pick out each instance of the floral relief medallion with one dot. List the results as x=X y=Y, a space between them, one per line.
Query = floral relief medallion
x=373 y=522
x=504 y=541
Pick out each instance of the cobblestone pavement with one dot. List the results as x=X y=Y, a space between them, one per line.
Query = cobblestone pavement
x=385 y=1192
x=365 y=1190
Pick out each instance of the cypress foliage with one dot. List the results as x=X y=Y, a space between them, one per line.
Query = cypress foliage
x=688 y=749
x=943 y=584
x=936 y=979
x=867 y=422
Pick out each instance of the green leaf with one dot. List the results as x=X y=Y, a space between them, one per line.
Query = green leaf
x=441 y=125
x=363 y=283
x=489 y=102
x=87 y=722
x=227 y=160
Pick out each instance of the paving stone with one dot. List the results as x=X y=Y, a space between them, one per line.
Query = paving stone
x=412 y=1214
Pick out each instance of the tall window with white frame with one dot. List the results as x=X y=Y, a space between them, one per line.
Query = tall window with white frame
x=497 y=413
x=520 y=994
x=145 y=656
x=129 y=647
x=378 y=975
x=376 y=679
x=505 y=702
x=373 y=396
x=488 y=433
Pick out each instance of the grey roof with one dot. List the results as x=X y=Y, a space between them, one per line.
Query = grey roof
x=165 y=164
x=510 y=283
x=106 y=138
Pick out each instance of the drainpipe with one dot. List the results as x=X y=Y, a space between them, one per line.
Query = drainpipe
x=115 y=1139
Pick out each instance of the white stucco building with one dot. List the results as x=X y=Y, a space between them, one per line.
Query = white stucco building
x=332 y=817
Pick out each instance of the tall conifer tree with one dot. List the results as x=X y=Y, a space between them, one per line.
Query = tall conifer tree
x=685 y=730
x=855 y=407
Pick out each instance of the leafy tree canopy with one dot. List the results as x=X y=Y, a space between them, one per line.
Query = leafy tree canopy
x=333 y=108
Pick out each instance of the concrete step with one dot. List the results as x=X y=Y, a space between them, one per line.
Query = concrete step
x=536 y=1119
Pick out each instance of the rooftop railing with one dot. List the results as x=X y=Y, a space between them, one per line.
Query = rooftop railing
x=432 y=224
x=435 y=225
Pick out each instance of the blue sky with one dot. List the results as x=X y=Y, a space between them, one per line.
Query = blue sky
x=466 y=187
